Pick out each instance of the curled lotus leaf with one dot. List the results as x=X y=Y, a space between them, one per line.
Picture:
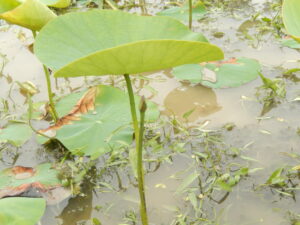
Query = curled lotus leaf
x=101 y=42
x=16 y=180
x=291 y=17
x=32 y=14
x=21 y=211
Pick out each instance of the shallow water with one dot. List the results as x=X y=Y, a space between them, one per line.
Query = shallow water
x=270 y=136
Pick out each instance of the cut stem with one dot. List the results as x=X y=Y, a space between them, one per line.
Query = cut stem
x=190 y=14
x=140 y=170
x=50 y=93
x=139 y=147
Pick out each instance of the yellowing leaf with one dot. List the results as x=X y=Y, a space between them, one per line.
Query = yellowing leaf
x=31 y=14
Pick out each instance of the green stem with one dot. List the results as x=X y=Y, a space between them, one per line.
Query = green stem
x=139 y=147
x=111 y=5
x=50 y=93
x=33 y=33
x=132 y=108
x=190 y=14
x=143 y=7
x=140 y=171
x=30 y=109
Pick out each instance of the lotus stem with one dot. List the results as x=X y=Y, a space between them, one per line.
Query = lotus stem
x=138 y=131
x=190 y=14
x=132 y=108
x=30 y=109
x=50 y=93
x=140 y=171
x=111 y=5
x=143 y=6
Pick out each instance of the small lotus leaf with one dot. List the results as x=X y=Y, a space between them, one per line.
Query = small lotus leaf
x=100 y=42
x=16 y=180
x=32 y=14
x=291 y=17
x=21 y=211
x=97 y=124
x=182 y=13
x=15 y=133
x=291 y=43
x=220 y=74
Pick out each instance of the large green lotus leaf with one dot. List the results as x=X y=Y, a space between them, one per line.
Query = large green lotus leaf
x=100 y=42
x=18 y=179
x=182 y=13
x=21 y=211
x=31 y=14
x=15 y=133
x=98 y=124
x=221 y=74
x=291 y=17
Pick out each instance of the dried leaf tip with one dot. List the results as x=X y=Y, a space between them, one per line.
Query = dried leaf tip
x=143 y=105
x=85 y=104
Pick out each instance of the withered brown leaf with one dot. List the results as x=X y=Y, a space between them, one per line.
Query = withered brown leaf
x=23 y=173
x=85 y=104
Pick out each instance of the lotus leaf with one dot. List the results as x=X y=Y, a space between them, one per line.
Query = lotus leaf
x=221 y=74
x=291 y=43
x=21 y=211
x=16 y=180
x=57 y=3
x=99 y=122
x=15 y=133
x=182 y=13
x=32 y=14
x=291 y=17
x=100 y=42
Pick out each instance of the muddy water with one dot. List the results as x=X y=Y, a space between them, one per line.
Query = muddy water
x=270 y=136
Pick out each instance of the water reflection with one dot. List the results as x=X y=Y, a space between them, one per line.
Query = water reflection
x=79 y=208
x=191 y=102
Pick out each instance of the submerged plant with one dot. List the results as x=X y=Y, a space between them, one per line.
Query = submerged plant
x=271 y=93
x=117 y=43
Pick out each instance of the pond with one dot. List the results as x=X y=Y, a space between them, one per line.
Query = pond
x=215 y=156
